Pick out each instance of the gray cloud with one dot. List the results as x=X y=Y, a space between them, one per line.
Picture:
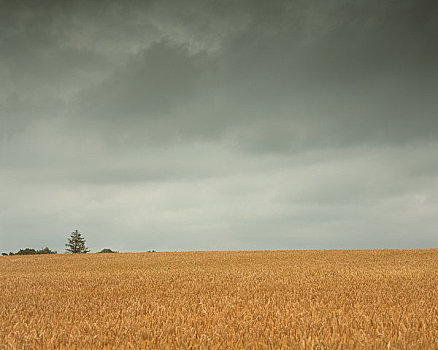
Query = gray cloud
x=323 y=75
x=219 y=125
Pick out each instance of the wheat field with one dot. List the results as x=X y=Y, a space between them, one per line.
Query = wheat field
x=370 y=299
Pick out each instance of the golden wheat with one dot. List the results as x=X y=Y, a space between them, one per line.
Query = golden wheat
x=371 y=299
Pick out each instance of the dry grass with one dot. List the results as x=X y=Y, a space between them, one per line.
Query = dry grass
x=288 y=299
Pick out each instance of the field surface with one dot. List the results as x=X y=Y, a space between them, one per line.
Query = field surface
x=375 y=299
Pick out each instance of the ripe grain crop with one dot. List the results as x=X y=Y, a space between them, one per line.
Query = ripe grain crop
x=374 y=299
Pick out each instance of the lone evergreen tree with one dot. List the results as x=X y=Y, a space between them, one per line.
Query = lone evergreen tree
x=76 y=244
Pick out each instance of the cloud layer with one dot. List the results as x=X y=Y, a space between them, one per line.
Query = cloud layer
x=219 y=125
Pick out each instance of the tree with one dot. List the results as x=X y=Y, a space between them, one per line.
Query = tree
x=76 y=244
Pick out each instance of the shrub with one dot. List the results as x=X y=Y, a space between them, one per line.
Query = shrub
x=46 y=250
x=26 y=251
x=107 y=250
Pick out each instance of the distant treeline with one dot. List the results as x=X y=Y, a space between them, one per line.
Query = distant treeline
x=46 y=250
x=31 y=251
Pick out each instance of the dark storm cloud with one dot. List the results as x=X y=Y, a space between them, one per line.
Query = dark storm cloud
x=160 y=81
x=219 y=124
x=34 y=51
x=324 y=74
x=357 y=70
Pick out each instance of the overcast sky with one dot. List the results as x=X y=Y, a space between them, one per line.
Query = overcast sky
x=219 y=125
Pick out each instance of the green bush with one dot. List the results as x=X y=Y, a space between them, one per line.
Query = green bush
x=26 y=251
x=46 y=250
x=107 y=250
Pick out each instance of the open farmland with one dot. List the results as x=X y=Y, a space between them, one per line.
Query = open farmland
x=283 y=299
